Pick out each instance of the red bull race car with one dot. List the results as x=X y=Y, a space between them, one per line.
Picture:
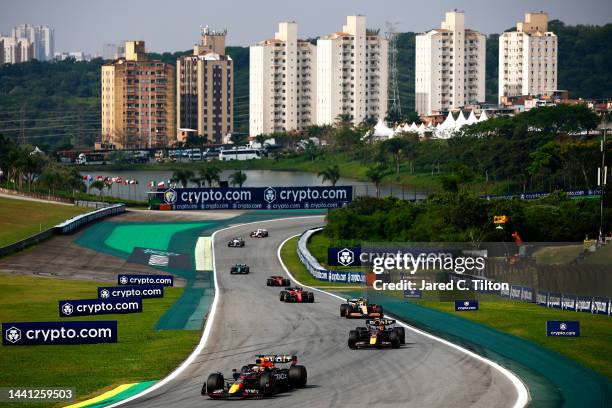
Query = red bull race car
x=278 y=281
x=259 y=233
x=296 y=295
x=262 y=379
x=379 y=333
x=359 y=307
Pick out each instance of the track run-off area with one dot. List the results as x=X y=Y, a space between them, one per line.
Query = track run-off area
x=247 y=318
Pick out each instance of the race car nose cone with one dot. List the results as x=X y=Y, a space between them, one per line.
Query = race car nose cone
x=372 y=340
x=234 y=388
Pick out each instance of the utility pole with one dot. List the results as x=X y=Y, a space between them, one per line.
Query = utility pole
x=22 y=125
x=391 y=36
x=602 y=175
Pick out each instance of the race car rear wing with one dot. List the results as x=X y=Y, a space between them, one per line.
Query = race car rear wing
x=277 y=358
x=377 y=322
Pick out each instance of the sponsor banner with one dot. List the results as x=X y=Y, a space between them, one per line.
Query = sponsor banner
x=142 y=291
x=466 y=305
x=413 y=294
x=542 y=194
x=89 y=307
x=161 y=259
x=515 y=292
x=253 y=198
x=129 y=279
x=554 y=300
x=542 y=298
x=527 y=294
x=599 y=306
x=504 y=292
x=350 y=256
x=583 y=303
x=345 y=277
x=566 y=328
x=568 y=302
x=50 y=333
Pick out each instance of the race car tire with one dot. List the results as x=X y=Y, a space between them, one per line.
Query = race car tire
x=310 y=298
x=283 y=296
x=401 y=334
x=267 y=385
x=214 y=382
x=298 y=376
x=353 y=338
x=344 y=310
x=394 y=339
x=286 y=282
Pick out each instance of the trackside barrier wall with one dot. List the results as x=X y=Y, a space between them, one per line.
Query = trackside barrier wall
x=316 y=270
x=63 y=228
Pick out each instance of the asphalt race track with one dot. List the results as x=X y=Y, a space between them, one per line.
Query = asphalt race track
x=251 y=320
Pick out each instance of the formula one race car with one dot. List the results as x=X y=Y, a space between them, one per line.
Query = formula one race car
x=259 y=233
x=262 y=379
x=236 y=243
x=378 y=333
x=278 y=281
x=359 y=307
x=240 y=269
x=296 y=295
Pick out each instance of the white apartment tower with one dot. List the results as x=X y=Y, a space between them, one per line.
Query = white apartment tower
x=528 y=58
x=351 y=74
x=450 y=66
x=42 y=38
x=282 y=83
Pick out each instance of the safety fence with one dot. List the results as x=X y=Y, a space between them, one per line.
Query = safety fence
x=319 y=272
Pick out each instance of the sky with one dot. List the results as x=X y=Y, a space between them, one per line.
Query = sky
x=173 y=25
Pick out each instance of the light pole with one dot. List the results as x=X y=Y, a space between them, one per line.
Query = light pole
x=602 y=176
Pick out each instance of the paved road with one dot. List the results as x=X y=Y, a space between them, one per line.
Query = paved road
x=251 y=320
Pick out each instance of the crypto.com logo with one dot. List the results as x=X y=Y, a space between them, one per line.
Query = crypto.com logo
x=170 y=196
x=123 y=280
x=67 y=309
x=104 y=294
x=269 y=195
x=563 y=327
x=13 y=335
x=346 y=257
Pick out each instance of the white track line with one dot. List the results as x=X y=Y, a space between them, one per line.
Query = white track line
x=521 y=389
x=209 y=322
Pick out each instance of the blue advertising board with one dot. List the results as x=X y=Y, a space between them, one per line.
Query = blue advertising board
x=583 y=304
x=132 y=279
x=599 y=306
x=52 y=333
x=142 y=291
x=255 y=198
x=566 y=328
x=90 y=307
x=413 y=294
x=348 y=256
x=568 y=302
x=466 y=305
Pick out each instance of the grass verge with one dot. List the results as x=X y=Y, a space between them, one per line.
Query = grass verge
x=20 y=219
x=141 y=354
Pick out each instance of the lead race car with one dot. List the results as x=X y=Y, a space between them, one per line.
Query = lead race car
x=277 y=281
x=360 y=307
x=379 y=333
x=259 y=233
x=240 y=269
x=236 y=243
x=296 y=295
x=262 y=379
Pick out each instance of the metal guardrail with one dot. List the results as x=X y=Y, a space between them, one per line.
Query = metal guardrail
x=319 y=272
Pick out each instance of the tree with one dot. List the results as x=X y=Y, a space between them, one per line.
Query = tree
x=395 y=146
x=261 y=140
x=99 y=185
x=344 y=120
x=238 y=138
x=182 y=176
x=310 y=148
x=376 y=175
x=238 y=178
x=209 y=174
x=331 y=174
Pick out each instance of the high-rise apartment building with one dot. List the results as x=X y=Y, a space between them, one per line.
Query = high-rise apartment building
x=352 y=74
x=16 y=50
x=42 y=38
x=205 y=87
x=528 y=58
x=282 y=83
x=138 y=105
x=450 y=66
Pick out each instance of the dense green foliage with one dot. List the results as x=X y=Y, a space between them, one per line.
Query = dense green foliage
x=461 y=217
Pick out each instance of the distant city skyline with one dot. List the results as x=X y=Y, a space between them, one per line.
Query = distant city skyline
x=176 y=26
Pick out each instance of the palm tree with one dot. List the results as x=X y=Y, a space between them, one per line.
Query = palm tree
x=99 y=185
x=375 y=175
x=331 y=174
x=209 y=174
x=182 y=176
x=344 y=120
x=261 y=139
x=238 y=178
x=395 y=146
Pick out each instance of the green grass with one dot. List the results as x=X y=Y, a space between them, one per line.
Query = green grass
x=140 y=354
x=299 y=271
x=592 y=349
x=20 y=219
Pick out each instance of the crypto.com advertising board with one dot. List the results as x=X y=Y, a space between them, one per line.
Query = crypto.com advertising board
x=254 y=198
